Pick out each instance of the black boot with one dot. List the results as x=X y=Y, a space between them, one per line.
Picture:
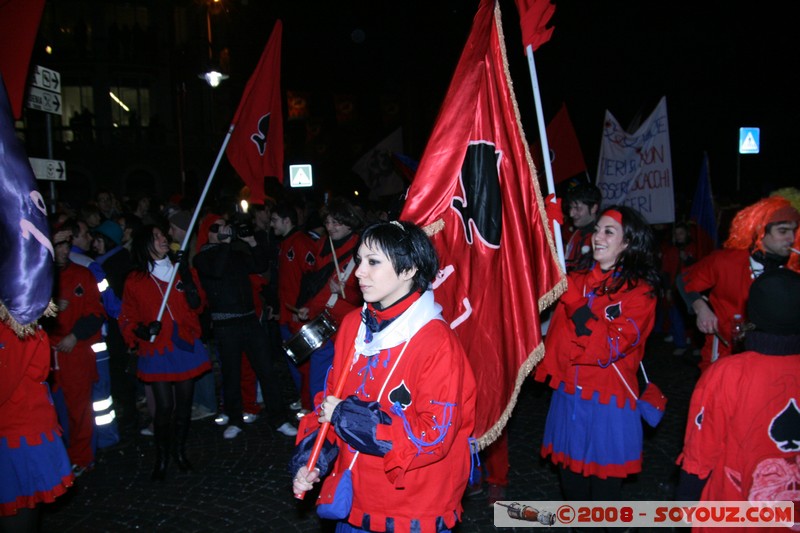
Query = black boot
x=181 y=432
x=161 y=436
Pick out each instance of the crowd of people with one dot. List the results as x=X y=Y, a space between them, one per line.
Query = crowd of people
x=165 y=295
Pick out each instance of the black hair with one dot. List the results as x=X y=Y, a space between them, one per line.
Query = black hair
x=142 y=246
x=343 y=212
x=637 y=262
x=286 y=210
x=407 y=247
x=585 y=193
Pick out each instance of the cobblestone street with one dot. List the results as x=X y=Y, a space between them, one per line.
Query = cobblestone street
x=243 y=485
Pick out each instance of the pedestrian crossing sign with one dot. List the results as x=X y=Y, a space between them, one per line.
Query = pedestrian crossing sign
x=300 y=176
x=749 y=140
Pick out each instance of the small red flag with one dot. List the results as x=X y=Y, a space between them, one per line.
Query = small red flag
x=533 y=17
x=19 y=23
x=255 y=148
x=566 y=157
x=476 y=194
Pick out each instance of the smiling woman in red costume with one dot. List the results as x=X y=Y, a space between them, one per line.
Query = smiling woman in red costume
x=596 y=340
x=407 y=409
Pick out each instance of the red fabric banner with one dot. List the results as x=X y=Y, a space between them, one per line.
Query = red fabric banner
x=19 y=24
x=566 y=156
x=533 y=18
x=476 y=194
x=255 y=148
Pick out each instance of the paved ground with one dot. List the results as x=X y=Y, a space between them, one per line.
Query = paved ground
x=242 y=485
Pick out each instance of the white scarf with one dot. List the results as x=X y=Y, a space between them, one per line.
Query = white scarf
x=401 y=329
x=162 y=269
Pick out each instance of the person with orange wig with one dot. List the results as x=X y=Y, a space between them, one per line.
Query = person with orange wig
x=761 y=238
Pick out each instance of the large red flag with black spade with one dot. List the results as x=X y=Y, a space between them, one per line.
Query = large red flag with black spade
x=255 y=148
x=476 y=194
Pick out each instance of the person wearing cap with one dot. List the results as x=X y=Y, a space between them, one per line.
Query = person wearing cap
x=743 y=426
x=716 y=287
x=74 y=337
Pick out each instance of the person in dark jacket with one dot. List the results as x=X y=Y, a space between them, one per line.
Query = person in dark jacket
x=224 y=265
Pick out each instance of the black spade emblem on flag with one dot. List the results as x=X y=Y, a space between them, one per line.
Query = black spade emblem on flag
x=401 y=395
x=481 y=207
x=260 y=138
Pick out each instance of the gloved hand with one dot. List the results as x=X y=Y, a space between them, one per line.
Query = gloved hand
x=182 y=259
x=580 y=317
x=145 y=331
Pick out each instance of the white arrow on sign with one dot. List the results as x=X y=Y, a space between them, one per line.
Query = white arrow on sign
x=48 y=169
x=47 y=79
x=44 y=100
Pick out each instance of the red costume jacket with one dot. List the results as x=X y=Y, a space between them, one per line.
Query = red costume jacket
x=624 y=321
x=408 y=483
x=295 y=257
x=727 y=275
x=141 y=302
x=578 y=245
x=742 y=432
x=78 y=288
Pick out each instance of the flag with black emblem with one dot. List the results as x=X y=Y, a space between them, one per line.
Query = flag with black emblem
x=26 y=261
x=476 y=195
x=255 y=149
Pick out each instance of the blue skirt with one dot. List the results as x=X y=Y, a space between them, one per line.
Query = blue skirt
x=33 y=474
x=592 y=438
x=184 y=361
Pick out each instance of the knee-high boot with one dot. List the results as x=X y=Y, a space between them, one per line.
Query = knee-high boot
x=163 y=438
x=181 y=433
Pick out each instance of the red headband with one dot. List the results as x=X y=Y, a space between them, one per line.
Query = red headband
x=613 y=213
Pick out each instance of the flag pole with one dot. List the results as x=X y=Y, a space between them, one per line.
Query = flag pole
x=188 y=235
x=548 y=170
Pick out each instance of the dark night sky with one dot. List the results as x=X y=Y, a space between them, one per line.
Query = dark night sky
x=721 y=65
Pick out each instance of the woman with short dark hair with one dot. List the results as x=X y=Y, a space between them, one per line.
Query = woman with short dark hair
x=407 y=409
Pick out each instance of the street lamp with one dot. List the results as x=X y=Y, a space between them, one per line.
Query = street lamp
x=213 y=77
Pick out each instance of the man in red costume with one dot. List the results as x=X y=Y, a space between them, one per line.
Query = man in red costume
x=761 y=238
x=295 y=257
x=74 y=337
x=743 y=429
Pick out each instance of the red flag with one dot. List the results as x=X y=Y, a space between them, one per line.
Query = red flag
x=19 y=23
x=476 y=194
x=533 y=17
x=566 y=157
x=255 y=148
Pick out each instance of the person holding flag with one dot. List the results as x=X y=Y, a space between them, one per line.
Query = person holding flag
x=406 y=411
x=171 y=353
x=593 y=348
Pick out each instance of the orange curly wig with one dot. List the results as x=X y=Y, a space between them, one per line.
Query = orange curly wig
x=749 y=224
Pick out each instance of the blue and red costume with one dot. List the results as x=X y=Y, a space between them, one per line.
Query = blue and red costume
x=593 y=427
x=409 y=411
x=177 y=353
x=34 y=465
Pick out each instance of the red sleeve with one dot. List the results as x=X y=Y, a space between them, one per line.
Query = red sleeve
x=702 y=275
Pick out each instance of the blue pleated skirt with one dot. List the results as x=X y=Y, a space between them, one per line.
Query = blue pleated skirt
x=183 y=362
x=33 y=474
x=592 y=438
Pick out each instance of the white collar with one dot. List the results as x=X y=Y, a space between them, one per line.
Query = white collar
x=401 y=329
x=162 y=269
